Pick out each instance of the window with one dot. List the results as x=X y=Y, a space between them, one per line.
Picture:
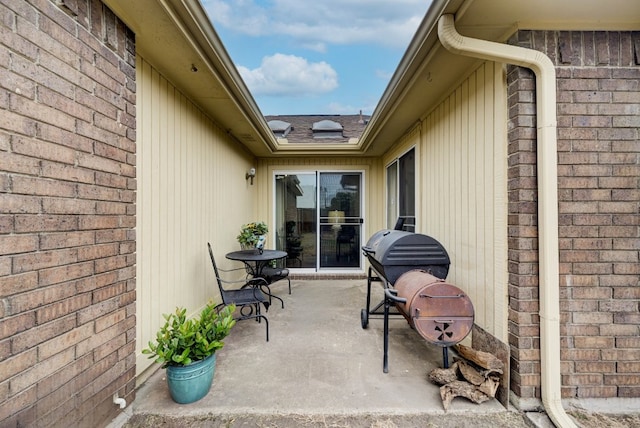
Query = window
x=401 y=191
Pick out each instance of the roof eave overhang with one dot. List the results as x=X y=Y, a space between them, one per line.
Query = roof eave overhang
x=373 y=139
x=178 y=39
x=176 y=36
x=352 y=148
x=427 y=71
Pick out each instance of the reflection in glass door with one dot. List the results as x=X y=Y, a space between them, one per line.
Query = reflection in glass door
x=340 y=220
x=318 y=219
x=296 y=214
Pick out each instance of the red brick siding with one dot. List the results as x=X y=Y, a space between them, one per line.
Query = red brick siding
x=67 y=194
x=598 y=89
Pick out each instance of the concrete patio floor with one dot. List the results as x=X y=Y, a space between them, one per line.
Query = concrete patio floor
x=319 y=368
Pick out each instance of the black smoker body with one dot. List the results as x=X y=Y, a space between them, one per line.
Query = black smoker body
x=394 y=252
x=418 y=264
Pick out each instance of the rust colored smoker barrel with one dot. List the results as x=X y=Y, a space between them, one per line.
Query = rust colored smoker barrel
x=440 y=312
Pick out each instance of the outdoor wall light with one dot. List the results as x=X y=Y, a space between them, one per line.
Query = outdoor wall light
x=250 y=175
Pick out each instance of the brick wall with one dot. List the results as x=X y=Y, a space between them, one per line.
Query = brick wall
x=598 y=90
x=67 y=213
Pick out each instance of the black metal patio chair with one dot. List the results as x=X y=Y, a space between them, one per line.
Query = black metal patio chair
x=273 y=274
x=247 y=299
x=264 y=271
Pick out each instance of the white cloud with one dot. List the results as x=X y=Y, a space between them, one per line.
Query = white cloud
x=249 y=18
x=382 y=22
x=289 y=75
x=362 y=39
x=384 y=75
x=338 y=108
x=316 y=46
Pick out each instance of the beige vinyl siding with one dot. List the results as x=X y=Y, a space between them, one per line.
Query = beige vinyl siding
x=191 y=189
x=461 y=180
x=464 y=164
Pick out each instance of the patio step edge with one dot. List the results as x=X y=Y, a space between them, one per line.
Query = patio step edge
x=354 y=420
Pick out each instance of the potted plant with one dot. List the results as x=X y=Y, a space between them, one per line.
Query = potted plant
x=250 y=234
x=186 y=348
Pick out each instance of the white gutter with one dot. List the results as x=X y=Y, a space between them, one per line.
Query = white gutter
x=547 y=198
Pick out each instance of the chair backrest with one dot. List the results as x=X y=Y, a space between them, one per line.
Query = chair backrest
x=399 y=223
x=215 y=270
x=347 y=232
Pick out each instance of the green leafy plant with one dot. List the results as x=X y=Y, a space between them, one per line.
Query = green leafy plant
x=251 y=232
x=181 y=340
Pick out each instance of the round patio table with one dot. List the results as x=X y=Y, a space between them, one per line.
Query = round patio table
x=256 y=260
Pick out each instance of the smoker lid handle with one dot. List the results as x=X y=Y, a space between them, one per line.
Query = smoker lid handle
x=391 y=295
x=454 y=296
x=368 y=250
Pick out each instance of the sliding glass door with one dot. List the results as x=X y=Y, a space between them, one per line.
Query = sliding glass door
x=340 y=220
x=319 y=219
x=296 y=213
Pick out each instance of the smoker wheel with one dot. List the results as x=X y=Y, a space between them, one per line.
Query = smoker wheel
x=364 y=318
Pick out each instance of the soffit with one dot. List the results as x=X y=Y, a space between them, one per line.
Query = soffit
x=177 y=38
x=493 y=17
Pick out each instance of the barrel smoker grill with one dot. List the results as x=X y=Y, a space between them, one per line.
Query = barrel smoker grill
x=413 y=268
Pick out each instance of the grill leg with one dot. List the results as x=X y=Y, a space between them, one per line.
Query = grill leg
x=369 y=290
x=385 y=357
x=445 y=357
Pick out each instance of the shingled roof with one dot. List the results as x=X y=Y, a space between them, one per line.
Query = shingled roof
x=301 y=127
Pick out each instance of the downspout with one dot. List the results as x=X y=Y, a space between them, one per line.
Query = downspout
x=547 y=198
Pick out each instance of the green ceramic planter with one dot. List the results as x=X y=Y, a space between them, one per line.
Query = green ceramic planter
x=190 y=383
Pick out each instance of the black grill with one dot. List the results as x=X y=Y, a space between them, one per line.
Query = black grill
x=394 y=252
x=416 y=263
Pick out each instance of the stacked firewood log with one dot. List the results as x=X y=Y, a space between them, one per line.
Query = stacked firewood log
x=475 y=375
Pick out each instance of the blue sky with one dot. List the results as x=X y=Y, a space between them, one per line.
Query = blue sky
x=316 y=56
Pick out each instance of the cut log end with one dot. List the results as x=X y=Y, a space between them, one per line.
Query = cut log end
x=444 y=376
x=461 y=388
x=483 y=359
x=464 y=379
